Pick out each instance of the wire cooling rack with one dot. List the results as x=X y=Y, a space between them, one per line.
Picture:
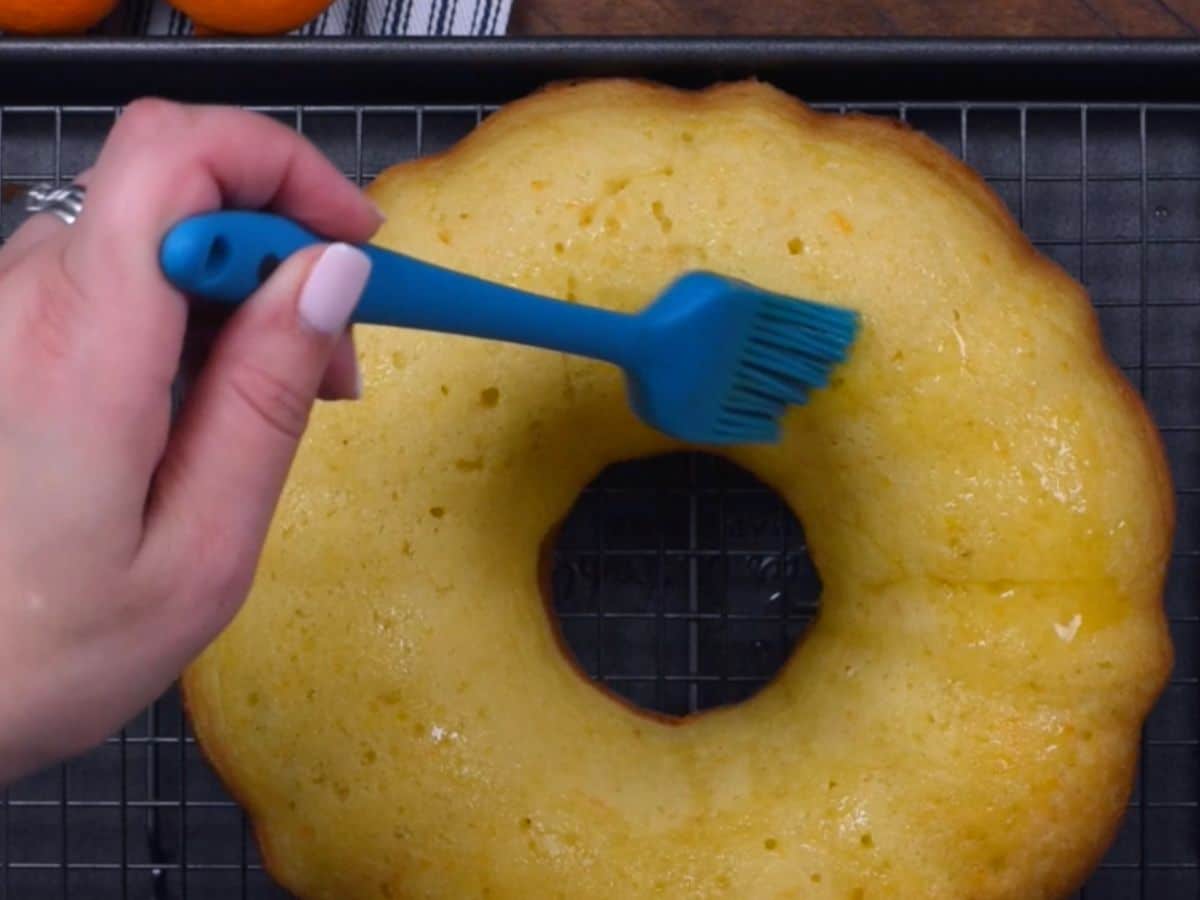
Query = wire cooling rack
x=681 y=582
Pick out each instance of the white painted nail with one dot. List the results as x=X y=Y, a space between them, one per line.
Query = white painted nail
x=334 y=287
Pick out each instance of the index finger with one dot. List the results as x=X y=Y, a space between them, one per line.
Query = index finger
x=164 y=162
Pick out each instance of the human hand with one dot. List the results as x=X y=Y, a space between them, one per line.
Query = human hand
x=126 y=543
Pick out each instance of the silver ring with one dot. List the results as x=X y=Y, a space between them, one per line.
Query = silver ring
x=64 y=202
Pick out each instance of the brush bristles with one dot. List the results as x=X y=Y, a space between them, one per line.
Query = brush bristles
x=754 y=431
x=791 y=347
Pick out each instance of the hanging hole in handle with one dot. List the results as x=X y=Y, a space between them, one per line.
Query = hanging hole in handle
x=218 y=255
x=267 y=267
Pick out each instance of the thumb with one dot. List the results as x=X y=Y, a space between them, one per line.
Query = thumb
x=228 y=458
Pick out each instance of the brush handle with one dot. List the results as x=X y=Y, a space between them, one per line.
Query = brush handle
x=225 y=257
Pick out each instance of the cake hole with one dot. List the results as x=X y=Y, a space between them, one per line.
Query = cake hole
x=437 y=512
x=795 y=246
x=770 y=844
x=841 y=223
x=489 y=397
x=664 y=221
x=615 y=185
x=680 y=583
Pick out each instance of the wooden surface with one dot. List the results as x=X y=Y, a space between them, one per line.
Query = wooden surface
x=862 y=18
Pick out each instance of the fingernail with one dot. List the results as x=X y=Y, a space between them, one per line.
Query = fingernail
x=334 y=287
x=358 y=383
x=378 y=210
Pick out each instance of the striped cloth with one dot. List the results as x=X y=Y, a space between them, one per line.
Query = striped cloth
x=345 y=17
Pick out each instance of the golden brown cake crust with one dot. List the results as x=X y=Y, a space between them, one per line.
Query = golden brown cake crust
x=992 y=545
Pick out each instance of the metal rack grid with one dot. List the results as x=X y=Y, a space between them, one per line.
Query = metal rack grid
x=681 y=582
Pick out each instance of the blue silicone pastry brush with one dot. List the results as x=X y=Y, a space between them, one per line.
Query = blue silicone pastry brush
x=711 y=360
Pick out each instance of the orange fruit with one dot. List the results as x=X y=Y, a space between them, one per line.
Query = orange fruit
x=52 y=16
x=249 y=16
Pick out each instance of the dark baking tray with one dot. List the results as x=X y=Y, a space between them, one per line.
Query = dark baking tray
x=680 y=582
x=492 y=70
